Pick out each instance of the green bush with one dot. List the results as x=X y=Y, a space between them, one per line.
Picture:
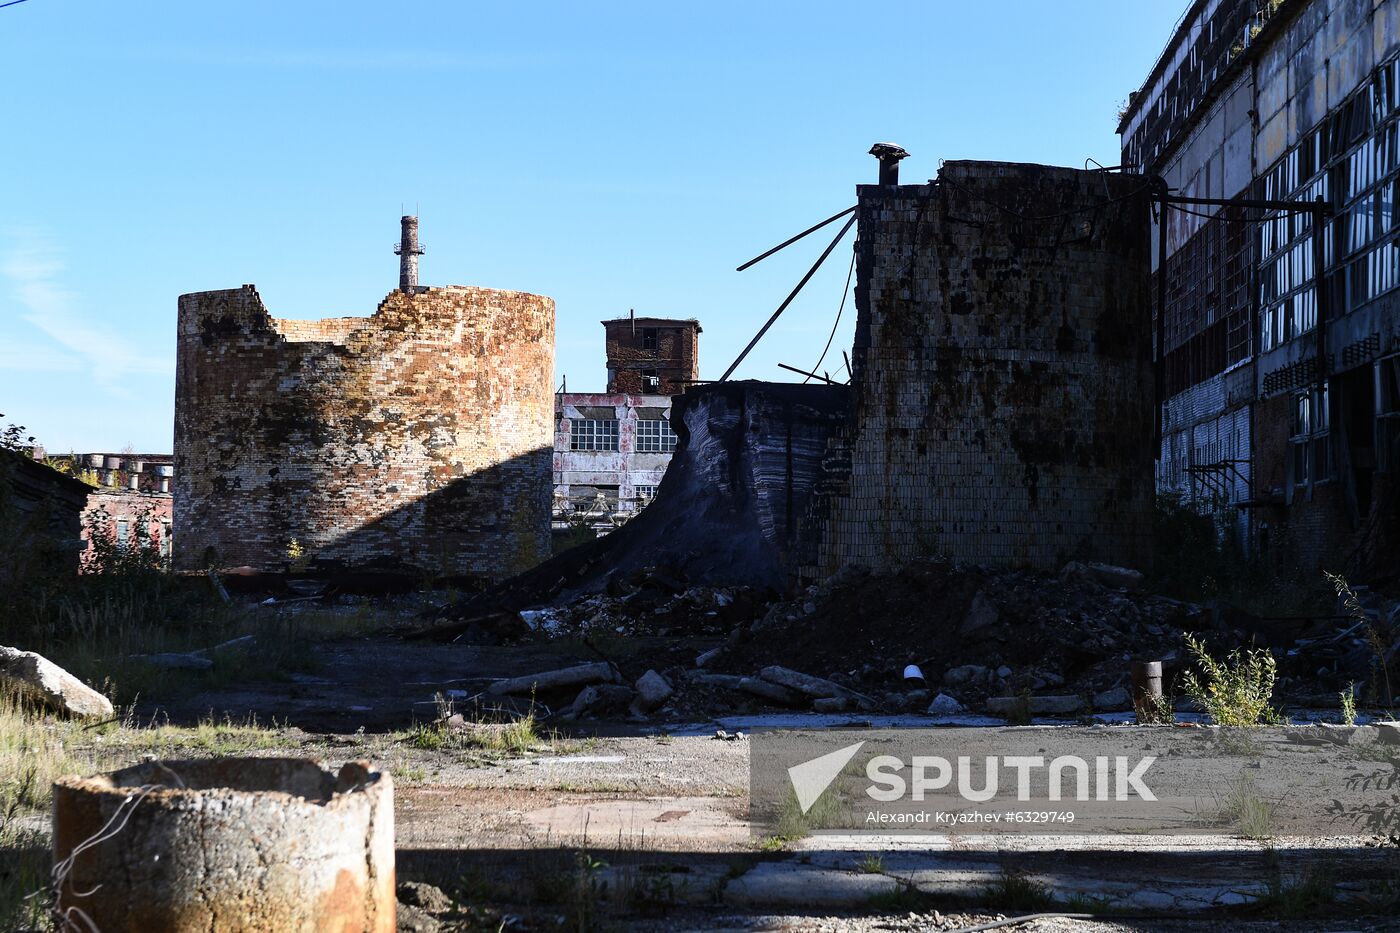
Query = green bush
x=1236 y=691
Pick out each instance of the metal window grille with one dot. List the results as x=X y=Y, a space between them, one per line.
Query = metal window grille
x=655 y=437
x=590 y=434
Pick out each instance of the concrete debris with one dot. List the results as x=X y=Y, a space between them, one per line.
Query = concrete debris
x=831 y=704
x=38 y=678
x=1116 y=699
x=944 y=705
x=600 y=700
x=579 y=675
x=814 y=687
x=653 y=691
x=767 y=690
x=981 y=633
x=540 y=620
x=967 y=675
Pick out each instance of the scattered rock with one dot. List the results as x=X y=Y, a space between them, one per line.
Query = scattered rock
x=968 y=675
x=1003 y=672
x=1039 y=706
x=831 y=704
x=1116 y=699
x=653 y=691
x=708 y=656
x=944 y=705
x=39 y=678
x=980 y=615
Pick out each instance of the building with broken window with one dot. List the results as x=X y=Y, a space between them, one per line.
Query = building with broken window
x=414 y=441
x=1278 y=331
x=132 y=502
x=649 y=355
x=612 y=448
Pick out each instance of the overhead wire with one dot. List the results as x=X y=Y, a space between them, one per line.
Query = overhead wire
x=839 y=311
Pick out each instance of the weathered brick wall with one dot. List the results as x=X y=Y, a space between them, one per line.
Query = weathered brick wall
x=125 y=515
x=417 y=439
x=675 y=359
x=1003 y=380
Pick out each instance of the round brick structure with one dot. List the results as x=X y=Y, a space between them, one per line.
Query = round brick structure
x=416 y=440
x=233 y=844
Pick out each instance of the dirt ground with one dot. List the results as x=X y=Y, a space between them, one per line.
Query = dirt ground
x=641 y=825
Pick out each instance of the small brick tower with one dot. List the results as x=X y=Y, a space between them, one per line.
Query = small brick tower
x=408 y=250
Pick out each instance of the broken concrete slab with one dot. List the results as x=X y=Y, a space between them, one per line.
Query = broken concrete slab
x=815 y=687
x=1036 y=706
x=42 y=680
x=770 y=691
x=580 y=675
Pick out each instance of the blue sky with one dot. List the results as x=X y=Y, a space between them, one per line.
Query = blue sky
x=612 y=156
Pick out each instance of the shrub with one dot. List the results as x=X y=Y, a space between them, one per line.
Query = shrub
x=1235 y=691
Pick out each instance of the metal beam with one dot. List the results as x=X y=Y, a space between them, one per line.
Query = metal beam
x=792 y=240
x=788 y=300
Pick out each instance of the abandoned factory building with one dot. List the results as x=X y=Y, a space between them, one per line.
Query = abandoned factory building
x=612 y=448
x=1000 y=410
x=1280 y=328
x=415 y=440
x=1001 y=406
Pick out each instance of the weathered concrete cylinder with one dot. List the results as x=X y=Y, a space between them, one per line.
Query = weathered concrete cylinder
x=233 y=844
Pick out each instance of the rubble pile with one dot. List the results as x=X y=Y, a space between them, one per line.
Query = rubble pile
x=949 y=637
x=932 y=637
x=653 y=602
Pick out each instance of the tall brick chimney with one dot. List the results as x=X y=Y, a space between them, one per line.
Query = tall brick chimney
x=408 y=251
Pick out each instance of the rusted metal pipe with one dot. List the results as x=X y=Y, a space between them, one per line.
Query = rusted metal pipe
x=1147 y=690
